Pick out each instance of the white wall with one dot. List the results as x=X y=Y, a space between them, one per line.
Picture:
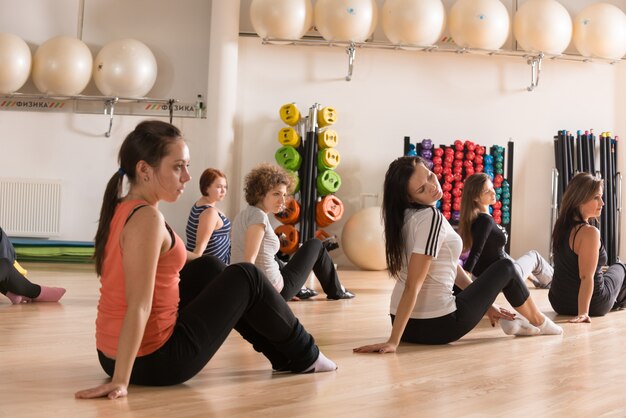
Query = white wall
x=426 y=95
x=392 y=94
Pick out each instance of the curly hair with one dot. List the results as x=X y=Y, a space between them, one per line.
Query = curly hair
x=263 y=178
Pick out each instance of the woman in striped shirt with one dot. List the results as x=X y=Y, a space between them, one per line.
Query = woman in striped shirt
x=208 y=229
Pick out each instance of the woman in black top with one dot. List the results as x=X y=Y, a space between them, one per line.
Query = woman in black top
x=579 y=287
x=486 y=239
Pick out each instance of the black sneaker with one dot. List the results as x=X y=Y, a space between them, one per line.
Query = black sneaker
x=306 y=293
x=346 y=295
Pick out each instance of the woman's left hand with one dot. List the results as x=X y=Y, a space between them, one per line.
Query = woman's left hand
x=495 y=313
x=380 y=348
x=110 y=390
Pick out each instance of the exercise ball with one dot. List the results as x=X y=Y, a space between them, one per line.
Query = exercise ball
x=62 y=65
x=16 y=60
x=285 y=19
x=600 y=31
x=480 y=24
x=125 y=68
x=543 y=26
x=363 y=239
x=346 y=20
x=413 y=22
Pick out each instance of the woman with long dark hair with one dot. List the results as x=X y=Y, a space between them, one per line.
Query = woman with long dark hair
x=579 y=286
x=422 y=252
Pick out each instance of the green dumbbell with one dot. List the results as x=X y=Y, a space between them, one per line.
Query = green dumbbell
x=288 y=158
x=328 y=182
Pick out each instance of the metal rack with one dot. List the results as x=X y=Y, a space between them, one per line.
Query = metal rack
x=534 y=59
x=153 y=106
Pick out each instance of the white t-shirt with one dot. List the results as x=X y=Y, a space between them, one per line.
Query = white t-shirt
x=269 y=245
x=427 y=232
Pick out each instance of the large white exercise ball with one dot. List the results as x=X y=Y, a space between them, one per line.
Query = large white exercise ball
x=362 y=239
x=286 y=19
x=346 y=20
x=543 y=26
x=62 y=65
x=600 y=31
x=15 y=59
x=413 y=22
x=125 y=68
x=482 y=24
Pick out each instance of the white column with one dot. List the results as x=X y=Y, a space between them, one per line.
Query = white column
x=221 y=103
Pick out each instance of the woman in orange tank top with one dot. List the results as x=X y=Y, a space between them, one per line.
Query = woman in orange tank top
x=163 y=312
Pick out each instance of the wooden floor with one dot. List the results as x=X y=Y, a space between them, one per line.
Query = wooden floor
x=47 y=352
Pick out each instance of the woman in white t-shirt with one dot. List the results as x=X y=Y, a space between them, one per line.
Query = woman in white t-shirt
x=422 y=252
x=253 y=239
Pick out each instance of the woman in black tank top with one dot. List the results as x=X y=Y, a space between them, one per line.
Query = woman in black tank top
x=579 y=287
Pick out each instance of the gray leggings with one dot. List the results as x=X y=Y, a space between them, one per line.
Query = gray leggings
x=609 y=293
x=533 y=263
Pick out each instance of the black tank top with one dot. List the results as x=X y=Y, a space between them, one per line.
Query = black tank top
x=566 y=277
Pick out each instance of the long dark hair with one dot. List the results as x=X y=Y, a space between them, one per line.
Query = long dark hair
x=472 y=189
x=148 y=142
x=395 y=202
x=581 y=189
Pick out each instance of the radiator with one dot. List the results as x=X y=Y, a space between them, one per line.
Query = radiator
x=30 y=207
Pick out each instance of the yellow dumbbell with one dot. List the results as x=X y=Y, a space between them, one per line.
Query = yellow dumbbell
x=290 y=114
x=289 y=136
x=327 y=139
x=327 y=159
x=326 y=116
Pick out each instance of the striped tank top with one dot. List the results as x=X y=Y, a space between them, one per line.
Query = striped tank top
x=219 y=243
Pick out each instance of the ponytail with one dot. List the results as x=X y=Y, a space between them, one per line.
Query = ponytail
x=109 y=202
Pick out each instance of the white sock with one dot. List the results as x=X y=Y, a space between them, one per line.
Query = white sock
x=518 y=326
x=322 y=364
x=549 y=327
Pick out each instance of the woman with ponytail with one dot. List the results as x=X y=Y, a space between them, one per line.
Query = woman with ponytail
x=163 y=312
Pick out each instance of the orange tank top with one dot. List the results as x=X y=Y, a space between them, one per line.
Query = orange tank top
x=112 y=306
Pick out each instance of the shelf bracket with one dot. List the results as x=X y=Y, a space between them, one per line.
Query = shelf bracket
x=351 y=51
x=109 y=109
x=535 y=69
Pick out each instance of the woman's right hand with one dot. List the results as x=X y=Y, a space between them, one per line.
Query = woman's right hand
x=380 y=348
x=110 y=390
x=580 y=319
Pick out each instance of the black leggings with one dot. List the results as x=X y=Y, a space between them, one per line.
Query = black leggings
x=312 y=256
x=12 y=281
x=471 y=305
x=214 y=299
